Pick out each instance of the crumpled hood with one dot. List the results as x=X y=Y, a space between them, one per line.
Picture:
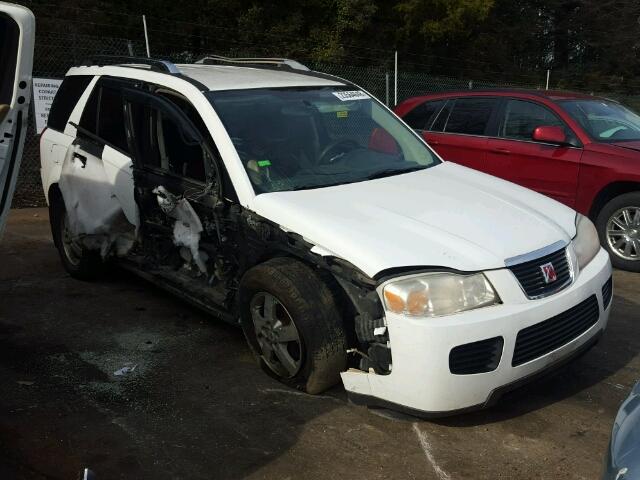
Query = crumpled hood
x=447 y=216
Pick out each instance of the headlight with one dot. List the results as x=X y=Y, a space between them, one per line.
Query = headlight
x=437 y=294
x=585 y=243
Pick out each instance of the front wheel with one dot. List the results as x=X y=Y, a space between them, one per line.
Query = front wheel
x=618 y=225
x=292 y=323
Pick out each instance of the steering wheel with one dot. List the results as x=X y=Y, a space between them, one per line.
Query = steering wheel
x=616 y=132
x=335 y=148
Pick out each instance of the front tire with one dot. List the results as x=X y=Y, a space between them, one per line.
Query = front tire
x=77 y=260
x=293 y=325
x=618 y=225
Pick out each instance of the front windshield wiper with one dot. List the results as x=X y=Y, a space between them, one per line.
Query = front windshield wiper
x=319 y=185
x=387 y=172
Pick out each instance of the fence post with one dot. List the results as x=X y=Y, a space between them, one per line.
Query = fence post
x=146 y=35
x=386 y=88
x=395 y=89
x=470 y=84
x=130 y=48
x=548 y=74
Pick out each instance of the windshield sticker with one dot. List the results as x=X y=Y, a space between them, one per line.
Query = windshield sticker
x=264 y=163
x=349 y=95
x=342 y=114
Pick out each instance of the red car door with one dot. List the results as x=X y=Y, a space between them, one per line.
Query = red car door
x=549 y=169
x=458 y=133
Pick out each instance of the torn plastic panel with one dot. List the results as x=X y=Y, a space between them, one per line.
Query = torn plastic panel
x=369 y=323
x=95 y=211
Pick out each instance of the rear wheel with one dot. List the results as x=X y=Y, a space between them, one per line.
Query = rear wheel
x=618 y=225
x=293 y=325
x=77 y=260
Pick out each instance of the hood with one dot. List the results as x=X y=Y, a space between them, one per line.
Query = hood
x=446 y=216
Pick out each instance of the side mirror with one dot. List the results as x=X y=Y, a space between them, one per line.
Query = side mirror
x=549 y=134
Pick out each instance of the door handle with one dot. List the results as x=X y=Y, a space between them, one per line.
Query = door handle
x=82 y=158
x=501 y=151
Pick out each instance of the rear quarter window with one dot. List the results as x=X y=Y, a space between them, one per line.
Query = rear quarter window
x=65 y=100
x=470 y=116
x=422 y=116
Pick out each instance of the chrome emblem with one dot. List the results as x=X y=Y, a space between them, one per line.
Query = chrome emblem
x=548 y=272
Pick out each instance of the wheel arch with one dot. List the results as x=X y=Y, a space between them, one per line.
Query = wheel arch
x=608 y=193
x=338 y=285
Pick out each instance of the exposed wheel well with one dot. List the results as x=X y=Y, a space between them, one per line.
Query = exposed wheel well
x=347 y=308
x=611 y=191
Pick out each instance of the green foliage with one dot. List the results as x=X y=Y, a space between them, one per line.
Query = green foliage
x=588 y=44
x=435 y=20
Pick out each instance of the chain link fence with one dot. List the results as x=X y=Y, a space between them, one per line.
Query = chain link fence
x=55 y=53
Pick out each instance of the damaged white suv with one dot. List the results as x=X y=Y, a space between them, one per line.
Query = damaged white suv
x=297 y=205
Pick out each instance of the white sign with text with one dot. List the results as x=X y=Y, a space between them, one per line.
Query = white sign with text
x=44 y=89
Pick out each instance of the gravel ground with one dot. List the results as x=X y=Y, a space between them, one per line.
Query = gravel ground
x=196 y=406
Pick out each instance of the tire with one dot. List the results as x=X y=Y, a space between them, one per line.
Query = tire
x=77 y=260
x=304 y=305
x=614 y=238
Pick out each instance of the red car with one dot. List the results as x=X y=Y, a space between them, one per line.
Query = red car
x=584 y=151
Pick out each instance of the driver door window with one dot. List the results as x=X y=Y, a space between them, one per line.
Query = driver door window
x=161 y=144
x=522 y=118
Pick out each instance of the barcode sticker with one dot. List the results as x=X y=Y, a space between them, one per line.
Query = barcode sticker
x=349 y=95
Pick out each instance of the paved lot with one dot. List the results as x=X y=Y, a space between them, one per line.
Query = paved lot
x=196 y=406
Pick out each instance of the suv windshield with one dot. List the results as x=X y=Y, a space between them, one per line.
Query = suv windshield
x=604 y=120
x=299 y=138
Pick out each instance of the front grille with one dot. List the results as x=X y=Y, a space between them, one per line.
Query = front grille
x=477 y=357
x=532 y=280
x=607 y=293
x=544 y=337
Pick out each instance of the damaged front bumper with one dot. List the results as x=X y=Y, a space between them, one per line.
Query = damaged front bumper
x=421 y=381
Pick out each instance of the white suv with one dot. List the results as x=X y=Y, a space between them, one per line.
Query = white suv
x=297 y=205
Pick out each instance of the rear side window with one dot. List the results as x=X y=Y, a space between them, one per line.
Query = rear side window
x=422 y=116
x=65 y=100
x=89 y=118
x=470 y=116
x=442 y=117
x=111 y=118
x=522 y=118
x=103 y=115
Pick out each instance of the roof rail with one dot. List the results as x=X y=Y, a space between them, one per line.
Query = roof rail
x=122 y=60
x=267 y=62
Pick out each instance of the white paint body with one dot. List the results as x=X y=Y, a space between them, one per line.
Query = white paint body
x=446 y=216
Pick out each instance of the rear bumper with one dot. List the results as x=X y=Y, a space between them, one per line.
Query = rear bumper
x=421 y=382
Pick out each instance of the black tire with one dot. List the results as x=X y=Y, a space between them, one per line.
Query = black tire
x=84 y=264
x=615 y=205
x=312 y=307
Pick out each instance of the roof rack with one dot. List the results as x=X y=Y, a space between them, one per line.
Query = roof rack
x=267 y=62
x=122 y=60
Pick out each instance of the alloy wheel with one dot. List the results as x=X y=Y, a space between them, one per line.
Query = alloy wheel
x=276 y=334
x=623 y=233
